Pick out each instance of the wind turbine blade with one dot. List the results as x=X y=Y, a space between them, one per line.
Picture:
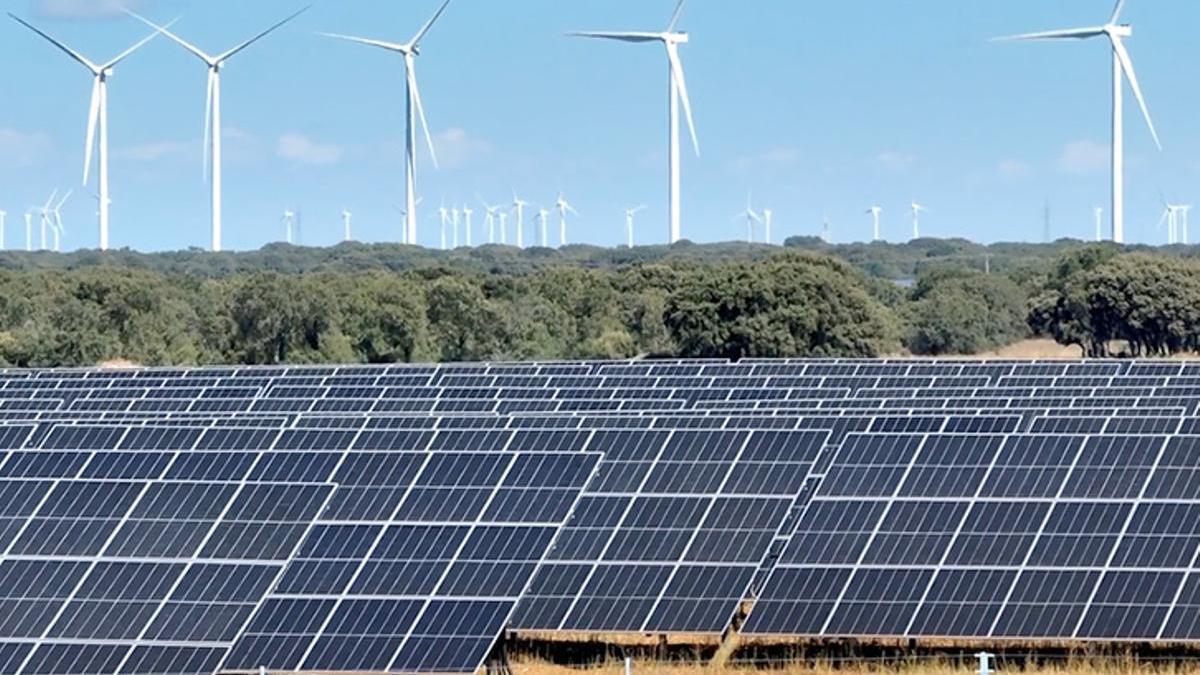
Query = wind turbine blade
x=428 y=24
x=138 y=45
x=1127 y=66
x=677 y=73
x=63 y=201
x=173 y=37
x=676 y=15
x=67 y=50
x=621 y=36
x=261 y=35
x=93 y=118
x=1117 y=11
x=208 y=117
x=415 y=93
x=390 y=46
x=1067 y=34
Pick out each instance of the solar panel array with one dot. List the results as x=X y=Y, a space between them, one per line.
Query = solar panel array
x=400 y=518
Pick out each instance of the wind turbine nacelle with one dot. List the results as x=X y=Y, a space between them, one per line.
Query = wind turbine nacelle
x=1121 y=30
x=678 y=38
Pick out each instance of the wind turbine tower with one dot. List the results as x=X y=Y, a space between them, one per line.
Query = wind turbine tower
x=564 y=207
x=1099 y=212
x=289 y=225
x=212 y=109
x=629 y=214
x=677 y=93
x=875 y=212
x=346 y=216
x=503 y=215
x=57 y=224
x=543 y=226
x=409 y=50
x=768 y=217
x=1122 y=67
x=917 y=210
x=519 y=205
x=467 y=212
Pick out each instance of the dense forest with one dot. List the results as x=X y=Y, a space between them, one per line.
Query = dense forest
x=385 y=303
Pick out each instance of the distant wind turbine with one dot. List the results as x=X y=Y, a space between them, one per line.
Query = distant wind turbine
x=212 y=109
x=289 y=225
x=629 y=214
x=1184 y=210
x=467 y=212
x=564 y=207
x=768 y=218
x=409 y=50
x=751 y=217
x=1122 y=67
x=489 y=218
x=875 y=212
x=519 y=205
x=677 y=92
x=543 y=226
x=454 y=221
x=57 y=224
x=97 y=115
x=1099 y=212
x=826 y=229
x=346 y=216
x=47 y=218
x=503 y=215
x=917 y=210
x=29 y=228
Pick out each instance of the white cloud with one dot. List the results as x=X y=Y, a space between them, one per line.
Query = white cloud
x=303 y=150
x=1079 y=157
x=778 y=156
x=21 y=149
x=894 y=161
x=1013 y=169
x=83 y=9
x=456 y=147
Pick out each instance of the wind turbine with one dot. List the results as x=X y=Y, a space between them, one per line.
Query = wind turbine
x=97 y=115
x=489 y=219
x=212 y=108
x=346 y=216
x=409 y=50
x=676 y=93
x=1099 y=212
x=875 y=211
x=629 y=214
x=57 y=224
x=454 y=221
x=467 y=212
x=47 y=221
x=751 y=218
x=29 y=228
x=917 y=210
x=768 y=217
x=444 y=213
x=1184 y=210
x=1169 y=217
x=289 y=224
x=543 y=221
x=564 y=207
x=504 y=229
x=1122 y=67
x=519 y=205
x=826 y=229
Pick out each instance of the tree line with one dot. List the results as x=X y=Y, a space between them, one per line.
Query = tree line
x=688 y=302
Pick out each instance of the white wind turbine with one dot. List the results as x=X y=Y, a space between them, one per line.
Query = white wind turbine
x=543 y=226
x=1184 y=210
x=57 y=225
x=346 y=216
x=454 y=221
x=826 y=229
x=29 y=228
x=768 y=218
x=1168 y=217
x=1099 y=213
x=409 y=50
x=563 y=207
x=1122 y=67
x=875 y=212
x=489 y=219
x=212 y=109
x=629 y=214
x=518 y=206
x=751 y=217
x=47 y=218
x=467 y=212
x=676 y=93
x=503 y=215
x=917 y=210
x=444 y=214
x=289 y=225
x=97 y=115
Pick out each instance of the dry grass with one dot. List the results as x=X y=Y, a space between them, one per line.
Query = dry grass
x=929 y=666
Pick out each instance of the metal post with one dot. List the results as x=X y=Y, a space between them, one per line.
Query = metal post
x=985 y=666
x=628 y=665
x=262 y=670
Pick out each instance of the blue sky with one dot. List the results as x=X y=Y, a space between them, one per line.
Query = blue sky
x=820 y=108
